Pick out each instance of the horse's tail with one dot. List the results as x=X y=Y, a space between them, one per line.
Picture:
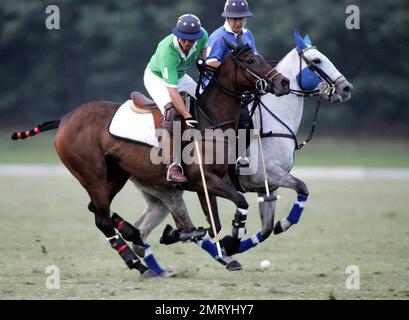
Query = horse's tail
x=45 y=126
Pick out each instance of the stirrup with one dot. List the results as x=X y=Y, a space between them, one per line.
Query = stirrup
x=170 y=166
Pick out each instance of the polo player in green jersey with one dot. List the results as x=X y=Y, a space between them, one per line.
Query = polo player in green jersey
x=165 y=77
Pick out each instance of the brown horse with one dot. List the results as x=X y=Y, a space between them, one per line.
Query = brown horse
x=103 y=163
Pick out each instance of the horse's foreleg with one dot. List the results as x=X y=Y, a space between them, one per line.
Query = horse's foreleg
x=219 y=187
x=208 y=245
x=267 y=211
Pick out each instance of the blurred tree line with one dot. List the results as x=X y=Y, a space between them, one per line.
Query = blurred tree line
x=103 y=46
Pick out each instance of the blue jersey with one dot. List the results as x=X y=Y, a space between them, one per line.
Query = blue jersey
x=217 y=49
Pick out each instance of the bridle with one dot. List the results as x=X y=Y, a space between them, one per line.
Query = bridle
x=262 y=84
x=328 y=90
x=330 y=85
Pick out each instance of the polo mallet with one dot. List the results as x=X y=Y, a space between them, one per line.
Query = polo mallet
x=216 y=237
x=268 y=197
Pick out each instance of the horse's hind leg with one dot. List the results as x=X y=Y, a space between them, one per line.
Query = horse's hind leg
x=279 y=177
x=155 y=212
x=103 y=181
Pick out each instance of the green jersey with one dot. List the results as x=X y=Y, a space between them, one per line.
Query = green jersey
x=170 y=63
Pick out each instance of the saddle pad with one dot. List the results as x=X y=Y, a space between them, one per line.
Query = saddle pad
x=133 y=126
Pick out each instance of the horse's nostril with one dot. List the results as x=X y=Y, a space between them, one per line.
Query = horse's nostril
x=347 y=89
x=285 y=83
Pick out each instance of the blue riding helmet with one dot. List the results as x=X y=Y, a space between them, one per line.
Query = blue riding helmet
x=188 y=27
x=236 y=9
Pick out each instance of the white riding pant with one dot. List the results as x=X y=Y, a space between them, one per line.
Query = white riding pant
x=158 y=89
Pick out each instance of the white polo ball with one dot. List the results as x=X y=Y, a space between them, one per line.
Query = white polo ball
x=265 y=264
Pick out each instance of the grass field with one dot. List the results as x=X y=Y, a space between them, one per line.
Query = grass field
x=44 y=221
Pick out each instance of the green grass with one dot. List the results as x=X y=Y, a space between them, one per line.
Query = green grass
x=45 y=222
x=319 y=152
x=354 y=152
x=39 y=149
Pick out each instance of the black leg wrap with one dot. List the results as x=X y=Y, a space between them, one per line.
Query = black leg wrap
x=194 y=234
x=126 y=253
x=169 y=235
x=278 y=229
x=238 y=223
x=129 y=232
x=230 y=245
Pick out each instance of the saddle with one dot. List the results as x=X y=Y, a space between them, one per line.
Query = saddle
x=143 y=105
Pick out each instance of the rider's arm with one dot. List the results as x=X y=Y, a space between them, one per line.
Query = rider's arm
x=214 y=63
x=216 y=51
x=178 y=102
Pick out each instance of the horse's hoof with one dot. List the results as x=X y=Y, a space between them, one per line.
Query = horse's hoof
x=234 y=265
x=277 y=228
x=148 y=274
x=168 y=274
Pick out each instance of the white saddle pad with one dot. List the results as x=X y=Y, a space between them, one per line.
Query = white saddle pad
x=133 y=126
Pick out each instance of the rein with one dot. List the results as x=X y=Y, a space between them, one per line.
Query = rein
x=258 y=104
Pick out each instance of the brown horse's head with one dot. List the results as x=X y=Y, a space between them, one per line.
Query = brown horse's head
x=252 y=72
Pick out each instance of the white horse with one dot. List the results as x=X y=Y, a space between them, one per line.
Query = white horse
x=309 y=72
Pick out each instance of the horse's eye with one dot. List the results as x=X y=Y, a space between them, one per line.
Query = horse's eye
x=317 y=61
x=250 y=60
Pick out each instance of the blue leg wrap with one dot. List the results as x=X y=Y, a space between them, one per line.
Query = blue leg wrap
x=297 y=209
x=209 y=247
x=251 y=242
x=151 y=261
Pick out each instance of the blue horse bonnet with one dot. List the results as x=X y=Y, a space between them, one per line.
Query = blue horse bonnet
x=306 y=79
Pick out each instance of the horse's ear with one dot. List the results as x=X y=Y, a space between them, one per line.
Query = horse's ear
x=230 y=45
x=299 y=41
x=307 y=40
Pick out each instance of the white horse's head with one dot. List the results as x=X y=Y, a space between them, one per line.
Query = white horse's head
x=316 y=71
